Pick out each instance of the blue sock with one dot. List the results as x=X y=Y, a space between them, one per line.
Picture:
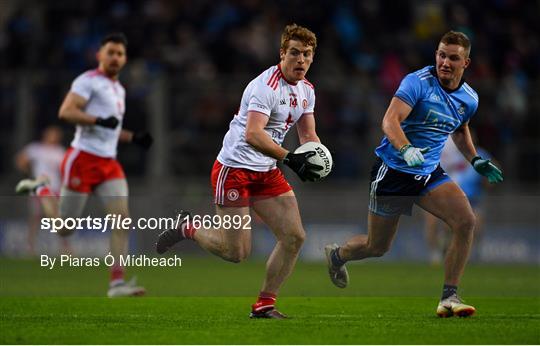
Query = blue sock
x=448 y=290
x=336 y=260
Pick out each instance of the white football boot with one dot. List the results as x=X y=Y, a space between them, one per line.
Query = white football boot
x=27 y=186
x=454 y=306
x=126 y=289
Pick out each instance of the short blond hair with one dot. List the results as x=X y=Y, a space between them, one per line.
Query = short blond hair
x=458 y=38
x=298 y=33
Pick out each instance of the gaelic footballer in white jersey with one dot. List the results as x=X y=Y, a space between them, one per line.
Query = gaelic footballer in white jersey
x=95 y=104
x=283 y=102
x=245 y=178
x=43 y=158
x=105 y=97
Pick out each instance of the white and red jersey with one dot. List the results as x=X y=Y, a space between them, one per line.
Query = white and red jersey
x=284 y=103
x=105 y=97
x=452 y=160
x=45 y=160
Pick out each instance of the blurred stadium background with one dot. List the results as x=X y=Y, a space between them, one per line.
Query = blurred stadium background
x=189 y=62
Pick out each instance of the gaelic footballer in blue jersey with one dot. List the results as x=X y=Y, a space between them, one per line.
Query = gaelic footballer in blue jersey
x=430 y=104
x=435 y=114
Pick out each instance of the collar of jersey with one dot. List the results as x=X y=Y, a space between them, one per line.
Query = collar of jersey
x=282 y=75
x=433 y=71
x=99 y=72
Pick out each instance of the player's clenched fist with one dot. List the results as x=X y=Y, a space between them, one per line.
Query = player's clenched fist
x=413 y=156
x=143 y=139
x=110 y=122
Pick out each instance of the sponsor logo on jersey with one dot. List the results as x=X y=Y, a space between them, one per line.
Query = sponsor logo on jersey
x=435 y=98
x=261 y=106
x=304 y=103
x=276 y=135
x=282 y=102
x=441 y=121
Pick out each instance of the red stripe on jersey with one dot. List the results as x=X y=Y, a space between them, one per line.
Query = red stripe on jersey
x=98 y=72
x=308 y=83
x=285 y=79
x=93 y=73
x=276 y=81
x=274 y=75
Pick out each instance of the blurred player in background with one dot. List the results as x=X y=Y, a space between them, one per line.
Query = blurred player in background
x=42 y=159
x=245 y=175
x=430 y=104
x=472 y=184
x=96 y=105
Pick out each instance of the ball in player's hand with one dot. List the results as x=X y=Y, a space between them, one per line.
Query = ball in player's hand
x=322 y=157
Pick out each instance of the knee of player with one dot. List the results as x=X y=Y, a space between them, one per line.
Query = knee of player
x=300 y=238
x=65 y=232
x=466 y=223
x=379 y=251
x=118 y=213
x=235 y=255
x=294 y=240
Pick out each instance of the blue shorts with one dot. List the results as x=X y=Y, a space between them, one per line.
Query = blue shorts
x=393 y=192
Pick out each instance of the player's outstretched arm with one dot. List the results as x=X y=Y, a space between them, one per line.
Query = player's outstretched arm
x=71 y=111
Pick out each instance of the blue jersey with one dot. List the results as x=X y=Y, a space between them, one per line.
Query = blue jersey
x=435 y=114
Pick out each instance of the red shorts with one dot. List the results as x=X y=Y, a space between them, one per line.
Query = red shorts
x=82 y=171
x=240 y=187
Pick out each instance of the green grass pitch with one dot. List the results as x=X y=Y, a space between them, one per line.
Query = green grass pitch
x=208 y=300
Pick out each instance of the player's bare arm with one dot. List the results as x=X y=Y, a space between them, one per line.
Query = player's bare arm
x=396 y=113
x=305 y=127
x=141 y=138
x=259 y=139
x=463 y=140
x=22 y=162
x=72 y=110
x=126 y=136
